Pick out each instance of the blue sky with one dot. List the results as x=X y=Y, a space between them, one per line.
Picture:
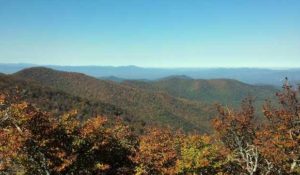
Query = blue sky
x=151 y=33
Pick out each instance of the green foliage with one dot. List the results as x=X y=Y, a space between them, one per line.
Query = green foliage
x=199 y=155
x=225 y=91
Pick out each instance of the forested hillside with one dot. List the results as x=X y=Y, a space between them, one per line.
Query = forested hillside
x=225 y=91
x=180 y=102
x=151 y=107
x=35 y=141
x=56 y=101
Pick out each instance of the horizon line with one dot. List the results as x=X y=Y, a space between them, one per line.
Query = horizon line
x=153 y=67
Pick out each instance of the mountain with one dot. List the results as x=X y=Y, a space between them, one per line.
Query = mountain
x=151 y=107
x=226 y=91
x=178 y=101
x=112 y=78
x=261 y=76
x=56 y=101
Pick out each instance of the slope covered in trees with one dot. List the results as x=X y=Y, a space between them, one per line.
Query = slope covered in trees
x=56 y=101
x=225 y=91
x=177 y=101
x=36 y=142
x=152 y=107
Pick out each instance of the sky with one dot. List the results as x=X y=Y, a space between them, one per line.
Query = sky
x=151 y=33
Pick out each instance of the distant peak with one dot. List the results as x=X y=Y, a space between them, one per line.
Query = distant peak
x=37 y=69
x=178 y=77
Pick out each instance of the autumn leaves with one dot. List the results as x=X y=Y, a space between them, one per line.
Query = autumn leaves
x=36 y=142
x=270 y=146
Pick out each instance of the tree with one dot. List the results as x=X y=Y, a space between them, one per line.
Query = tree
x=236 y=129
x=36 y=142
x=13 y=134
x=199 y=155
x=103 y=149
x=157 y=153
x=279 y=137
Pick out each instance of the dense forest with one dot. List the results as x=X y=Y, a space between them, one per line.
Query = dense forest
x=47 y=131
x=176 y=101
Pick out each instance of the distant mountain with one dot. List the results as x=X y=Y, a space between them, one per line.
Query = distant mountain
x=176 y=77
x=226 y=91
x=119 y=80
x=152 y=107
x=112 y=78
x=247 y=75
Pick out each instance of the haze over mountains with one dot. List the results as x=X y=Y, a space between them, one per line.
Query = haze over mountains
x=261 y=76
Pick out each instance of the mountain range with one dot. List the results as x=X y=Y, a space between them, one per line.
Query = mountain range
x=254 y=76
x=224 y=91
x=175 y=101
x=156 y=107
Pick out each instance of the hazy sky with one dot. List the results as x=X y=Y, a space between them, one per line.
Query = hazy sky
x=151 y=33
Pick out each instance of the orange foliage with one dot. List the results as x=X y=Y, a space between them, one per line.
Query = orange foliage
x=157 y=152
x=37 y=142
x=279 y=138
